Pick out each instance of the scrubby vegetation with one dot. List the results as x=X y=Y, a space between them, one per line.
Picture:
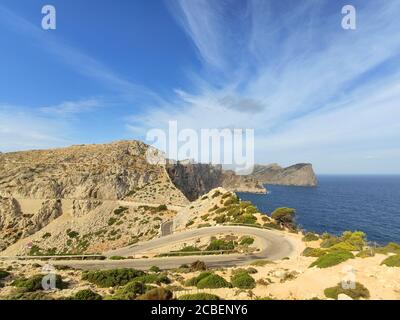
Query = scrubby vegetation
x=199 y=296
x=34 y=283
x=332 y=258
x=392 y=261
x=242 y=280
x=3 y=274
x=157 y=294
x=111 y=278
x=246 y=241
x=87 y=294
x=310 y=237
x=285 y=217
x=208 y=280
x=358 y=292
x=313 y=252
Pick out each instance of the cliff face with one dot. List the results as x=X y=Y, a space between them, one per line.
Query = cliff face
x=195 y=179
x=297 y=175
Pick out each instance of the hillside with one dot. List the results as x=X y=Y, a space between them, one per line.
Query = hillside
x=301 y=174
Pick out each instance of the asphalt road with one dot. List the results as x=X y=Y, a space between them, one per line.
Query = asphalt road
x=273 y=247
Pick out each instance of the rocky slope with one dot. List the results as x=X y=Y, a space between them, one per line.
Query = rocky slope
x=195 y=179
x=38 y=187
x=47 y=194
x=297 y=175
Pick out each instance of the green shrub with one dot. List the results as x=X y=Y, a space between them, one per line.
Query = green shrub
x=199 y=296
x=155 y=269
x=390 y=248
x=157 y=294
x=111 y=221
x=356 y=239
x=120 y=210
x=367 y=253
x=87 y=294
x=216 y=194
x=192 y=282
x=346 y=246
x=310 y=237
x=191 y=222
x=34 y=283
x=213 y=281
x=246 y=241
x=392 y=261
x=46 y=235
x=242 y=280
x=117 y=258
x=131 y=291
x=251 y=270
x=162 y=207
x=358 y=292
x=4 y=274
x=26 y=296
x=332 y=258
x=154 y=278
x=112 y=278
x=72 y=234
x=217 y=245
x=220 y=219
x=284 y=215
x=313 y=252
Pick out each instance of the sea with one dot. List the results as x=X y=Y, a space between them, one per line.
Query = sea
x=367 y=203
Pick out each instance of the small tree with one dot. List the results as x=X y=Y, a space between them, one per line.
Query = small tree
x=284 y=216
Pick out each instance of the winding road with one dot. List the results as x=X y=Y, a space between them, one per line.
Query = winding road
x=273 y=246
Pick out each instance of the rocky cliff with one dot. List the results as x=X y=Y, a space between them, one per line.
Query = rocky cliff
x=195 y=179
x=297 y=175
x=46 y=196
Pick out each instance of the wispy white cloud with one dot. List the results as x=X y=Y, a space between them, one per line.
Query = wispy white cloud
x=22 y=128
x=316 y=87
x=69 y=108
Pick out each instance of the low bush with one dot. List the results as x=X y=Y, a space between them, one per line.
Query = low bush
x=367 y=253
x=26 y=296
x=284 y=215
x=120 y=210
x=87 y=294
x=242 y=280
x=390 y=248
x=392 y=261
x=117 y=258
x=155 y=269
x=332 y=258
x=34 y=283
x=199 y=296
x=154 y=278
x=198 y=266
x=313 y=252
x=310 y=237
x=217 y=245
x=131 y=291
x=252 y=270
x=112 y=278
x=355 y=293
x=192 y=282
x=246 y=241
x=157 y=294
x=213 y=281
x=3 y=274
x=346 y=246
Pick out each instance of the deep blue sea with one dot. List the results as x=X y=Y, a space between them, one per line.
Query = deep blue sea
x=339 y=203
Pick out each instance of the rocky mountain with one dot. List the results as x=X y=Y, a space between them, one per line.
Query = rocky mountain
x=87 y=198
x=196 y=179
x=297 y=175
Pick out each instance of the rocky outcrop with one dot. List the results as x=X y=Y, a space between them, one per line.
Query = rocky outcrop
x=196 y=179
x=297 y=175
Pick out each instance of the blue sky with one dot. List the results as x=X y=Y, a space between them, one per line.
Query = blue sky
x=112 y=70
